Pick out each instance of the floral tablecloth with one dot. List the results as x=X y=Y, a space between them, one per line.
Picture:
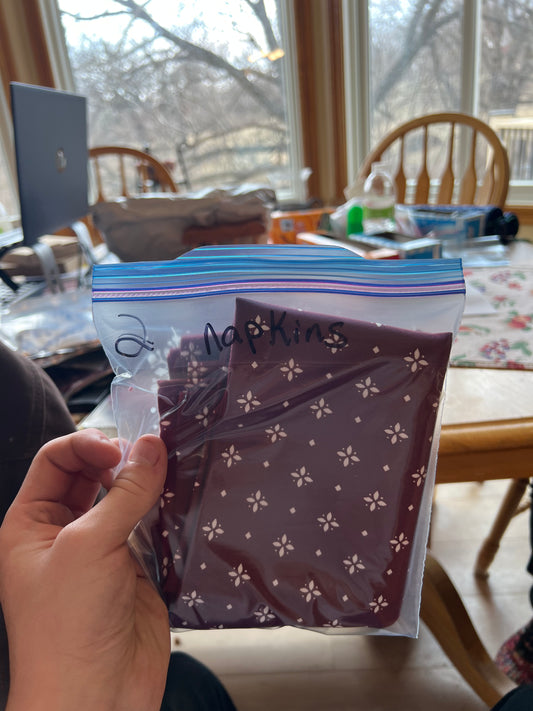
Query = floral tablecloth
x=497 y=327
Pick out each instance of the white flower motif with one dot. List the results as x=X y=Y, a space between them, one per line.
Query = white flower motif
x=399 y=542
x=374 y=501
x=291 y=369
x=302 y=477
x=195 y=371
x=257 y=326
x=419 y=476
x=283 y=545
x=231 y=455
x=415 y=360
x=321 y=409
x=212 y=529
x=310 y=591
x=328 y=522
x=335 y=343
x=165 y=498
x=239 y=575
x=165 y=566
x=348 y=456
x=332 y=623
x=275 y=433
x=203 y=416
x=191 y=351
x=248 y=401
x=263 y=614
x=192 y=599
x=353 y=564
x=367 y=388
x=379 y=604
x=396 y=433
x=257 y=501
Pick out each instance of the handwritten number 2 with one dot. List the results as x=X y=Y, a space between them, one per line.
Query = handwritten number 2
x=134 y=338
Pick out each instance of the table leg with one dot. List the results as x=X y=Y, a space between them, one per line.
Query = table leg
x=507 y=510
x=443 y=612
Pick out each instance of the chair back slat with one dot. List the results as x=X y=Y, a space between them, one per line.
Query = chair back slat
x=467 y=192
x=423 y=181
x=123 y=182
x=98 y=176
x=433 y=171
x=447 y=180
x=399 y=179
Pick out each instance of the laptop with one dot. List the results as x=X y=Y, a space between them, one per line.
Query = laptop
x=50 y=136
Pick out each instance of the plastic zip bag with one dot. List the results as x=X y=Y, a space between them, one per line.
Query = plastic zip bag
x=298 y=392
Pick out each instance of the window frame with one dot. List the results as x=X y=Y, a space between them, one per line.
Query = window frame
x=328 y=106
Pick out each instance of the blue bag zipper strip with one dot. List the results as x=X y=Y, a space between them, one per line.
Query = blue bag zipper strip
x=201 y=290
x=196 y=276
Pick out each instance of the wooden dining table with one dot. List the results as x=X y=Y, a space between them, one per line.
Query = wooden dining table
x=487 y=433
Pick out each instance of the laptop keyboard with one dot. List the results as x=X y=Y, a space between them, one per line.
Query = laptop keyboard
x=26 y=289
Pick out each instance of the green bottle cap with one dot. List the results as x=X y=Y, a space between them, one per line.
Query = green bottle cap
x=354 y=220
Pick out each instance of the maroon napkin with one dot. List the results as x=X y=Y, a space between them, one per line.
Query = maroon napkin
x=296 y=469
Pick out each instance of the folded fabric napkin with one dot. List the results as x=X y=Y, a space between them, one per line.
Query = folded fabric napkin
x=299 y=445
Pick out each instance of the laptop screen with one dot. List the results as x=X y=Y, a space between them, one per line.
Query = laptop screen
x=50 y=131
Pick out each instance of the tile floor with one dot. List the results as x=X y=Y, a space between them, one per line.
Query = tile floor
x=297 y=670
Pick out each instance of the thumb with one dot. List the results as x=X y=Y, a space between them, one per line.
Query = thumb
x=134 y=490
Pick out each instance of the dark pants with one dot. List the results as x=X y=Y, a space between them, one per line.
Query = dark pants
x=519 y=699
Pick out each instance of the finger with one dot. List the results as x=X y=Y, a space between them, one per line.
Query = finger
x=132 y=494
x=68 y=470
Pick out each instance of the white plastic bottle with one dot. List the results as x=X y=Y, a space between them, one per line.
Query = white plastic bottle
x=379 y=198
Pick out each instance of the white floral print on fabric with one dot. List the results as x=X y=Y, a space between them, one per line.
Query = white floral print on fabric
x=193 y=598
x=415 y=360
x=264 y=614
x=348 y=456
x=283 y=545
x=291 y=369
x=399 y=542
x=231 y=456
x=310 y=591
x=320 y=409
x=396 y=433
x=367 y=387
x=302 y=477
x=239 y=575
x=203 y=416
x=213 y=529
x=419 y=476
x=378 y=604
x=353 y=564
x=248 y=401
x=257 y=501
x=275 y=432
x=328 y=522
x=374 y=501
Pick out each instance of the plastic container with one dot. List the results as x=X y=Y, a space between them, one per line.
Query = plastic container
x=379 y=199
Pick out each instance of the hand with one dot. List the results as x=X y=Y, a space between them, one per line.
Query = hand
x=86 y=629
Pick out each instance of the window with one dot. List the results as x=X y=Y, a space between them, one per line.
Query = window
x=444 y=55
x=201 y=85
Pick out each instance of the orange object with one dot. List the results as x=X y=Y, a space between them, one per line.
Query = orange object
x=286 y=225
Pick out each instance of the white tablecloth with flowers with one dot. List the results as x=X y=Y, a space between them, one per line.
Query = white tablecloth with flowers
x=497 y=327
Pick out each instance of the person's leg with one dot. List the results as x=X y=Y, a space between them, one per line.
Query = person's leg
x=191 y=686
x=515 y=656
x=519 y=699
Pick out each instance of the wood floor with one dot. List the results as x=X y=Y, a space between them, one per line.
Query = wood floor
x=297 y=670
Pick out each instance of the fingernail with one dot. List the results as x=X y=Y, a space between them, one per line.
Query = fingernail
x=145 y=452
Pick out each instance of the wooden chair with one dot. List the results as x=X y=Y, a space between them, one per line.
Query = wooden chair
x=137 y=171
x=444 y=159
x=120 y=171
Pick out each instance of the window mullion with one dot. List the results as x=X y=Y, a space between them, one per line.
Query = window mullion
x=471 y=51
x=357 y=83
